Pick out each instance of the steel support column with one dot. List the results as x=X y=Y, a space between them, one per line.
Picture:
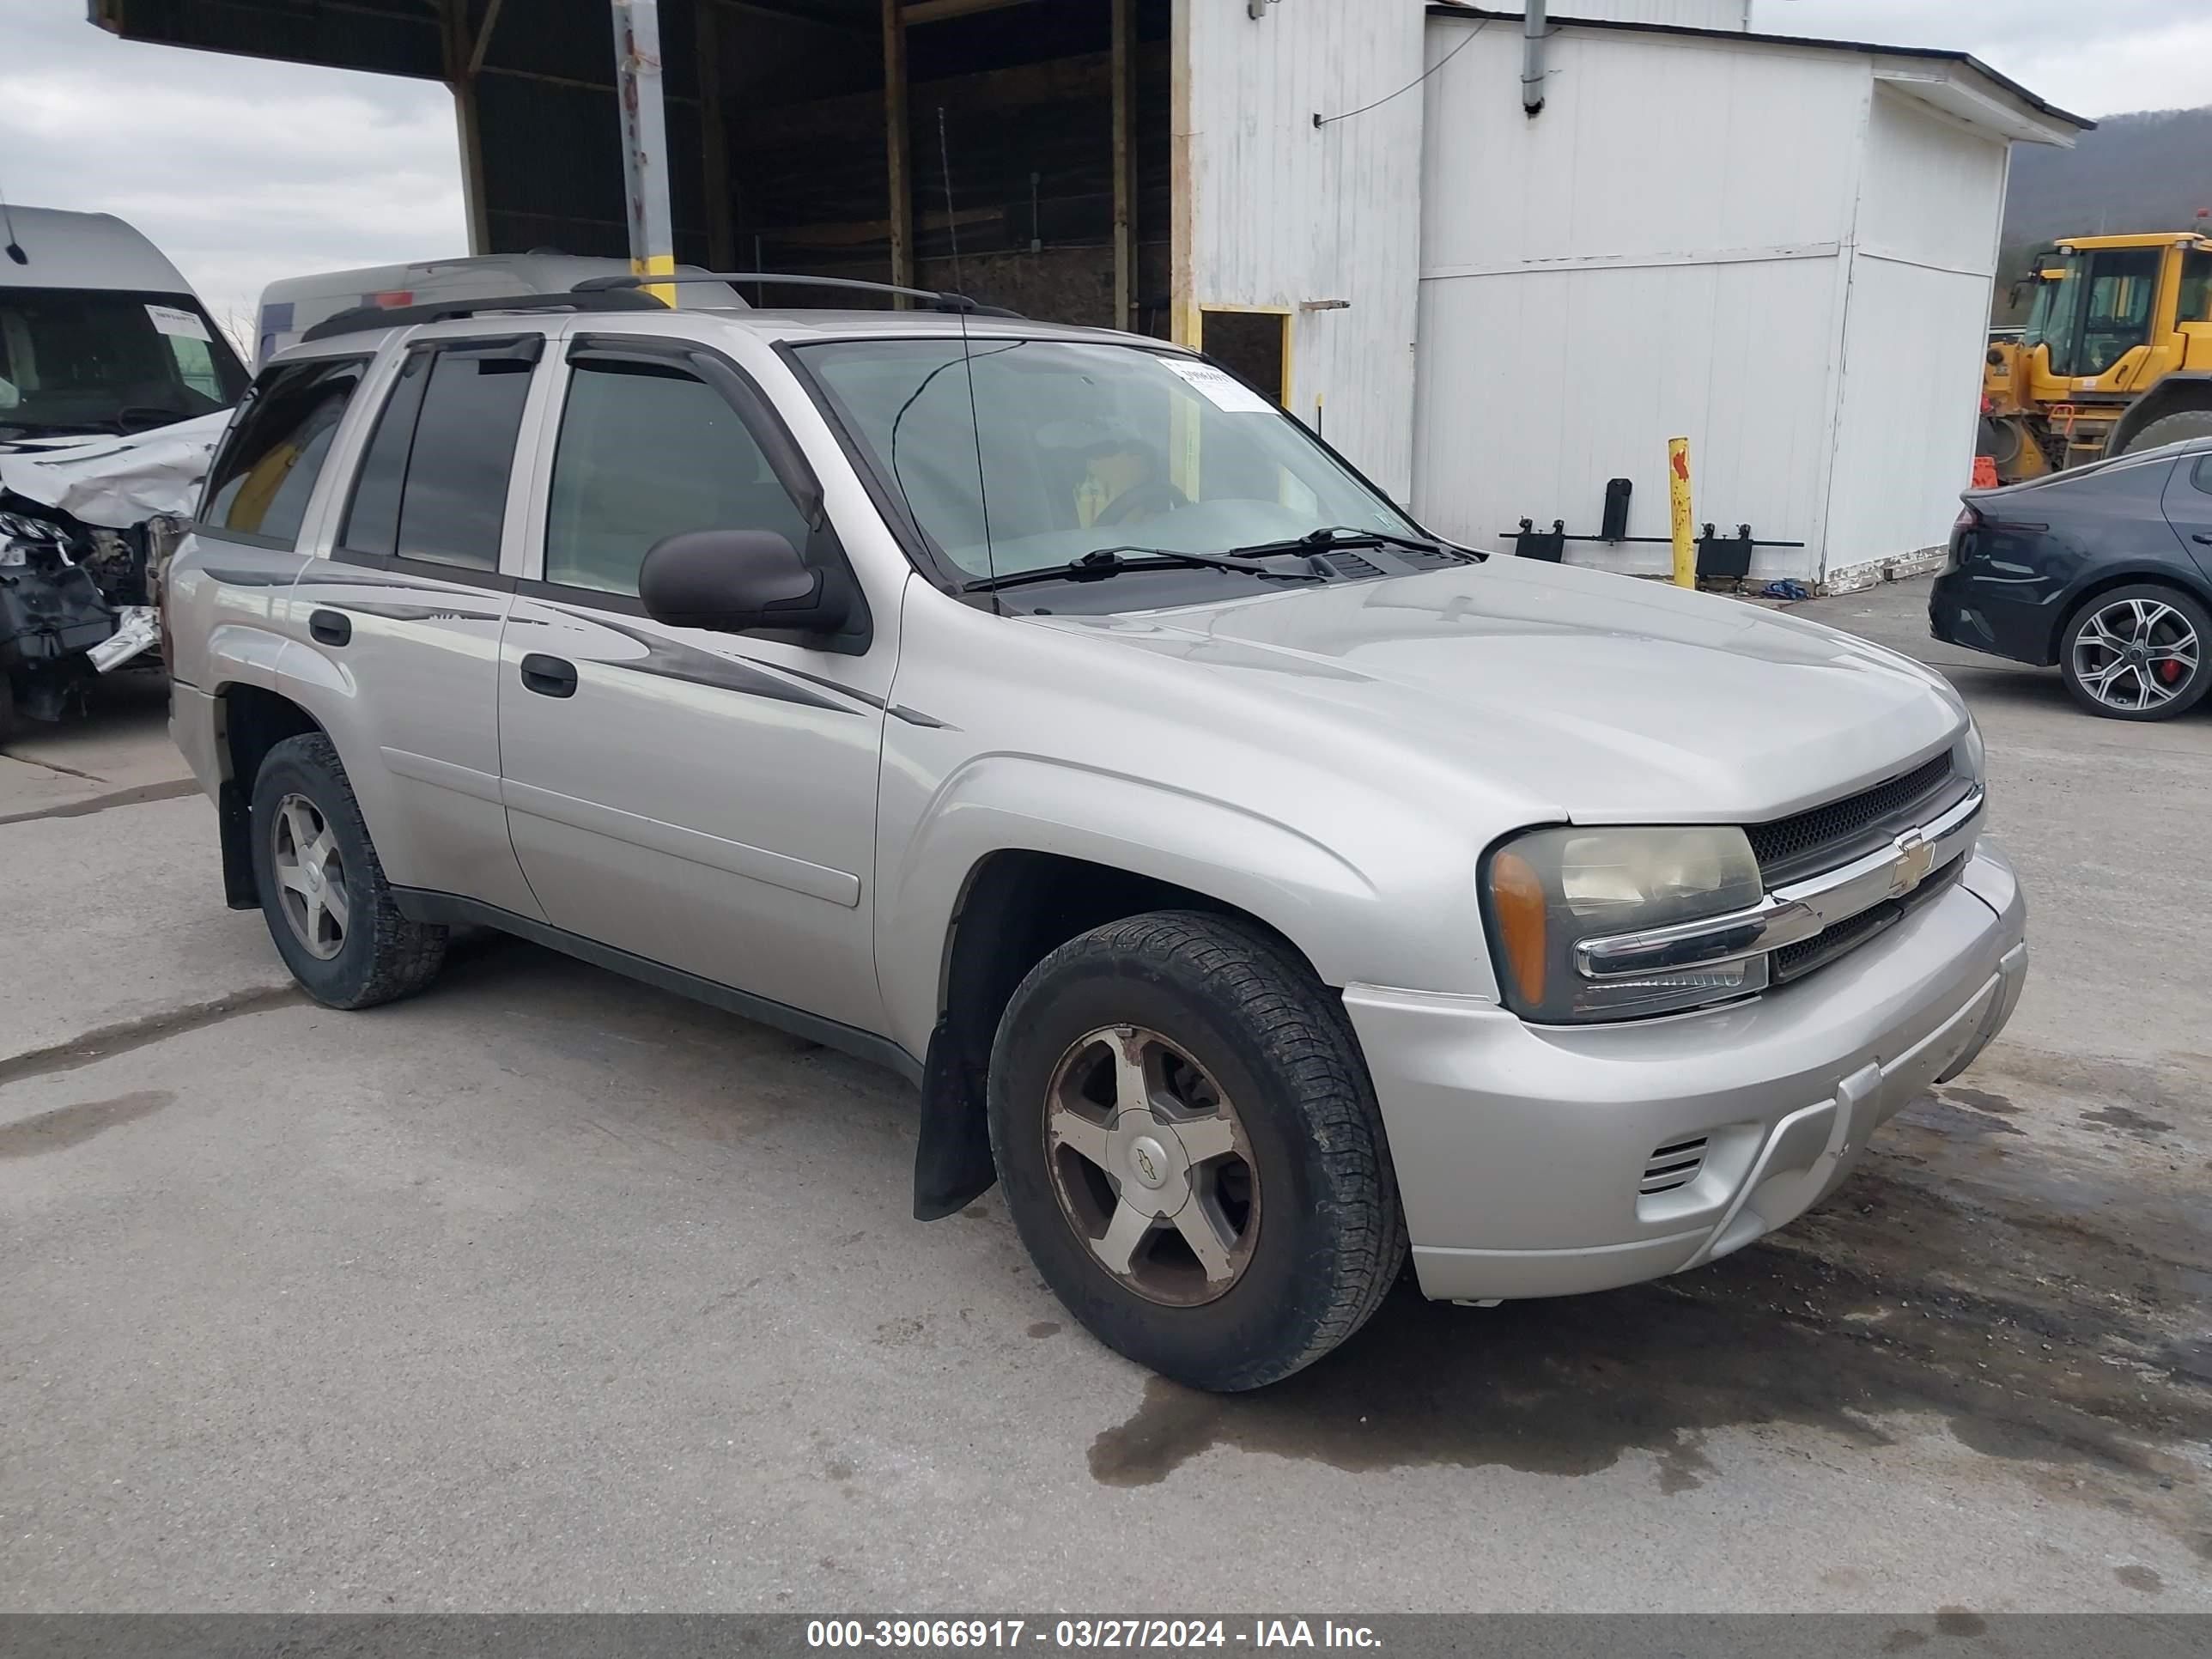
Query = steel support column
x=645 y=142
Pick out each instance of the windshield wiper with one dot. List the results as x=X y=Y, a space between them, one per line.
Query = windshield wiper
x=1098 y=565
x=1334 y=536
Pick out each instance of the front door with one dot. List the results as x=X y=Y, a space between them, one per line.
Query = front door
x=702 y=800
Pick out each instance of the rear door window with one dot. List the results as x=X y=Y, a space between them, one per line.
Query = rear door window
x=261 y=481
x=433 y=483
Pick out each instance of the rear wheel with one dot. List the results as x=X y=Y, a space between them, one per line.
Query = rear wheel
x=1191 y=1150
x=2172 y=429
x=2137 y=652
x=322 y=887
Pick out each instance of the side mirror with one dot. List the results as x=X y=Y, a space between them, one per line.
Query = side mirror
x=738 y=581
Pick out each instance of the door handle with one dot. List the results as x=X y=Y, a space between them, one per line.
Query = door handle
x=330 y=627
x=549 y=677
x=2201 y=537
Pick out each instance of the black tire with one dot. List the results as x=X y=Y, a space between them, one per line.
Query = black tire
x=2172 y=429
x=7 y=708
x=381 y=955
x=2187 y=692
x=1330 y=1236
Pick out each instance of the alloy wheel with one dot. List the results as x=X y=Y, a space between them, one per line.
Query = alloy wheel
x=1152 y=1167
x=2135 y=655
x=311 y=876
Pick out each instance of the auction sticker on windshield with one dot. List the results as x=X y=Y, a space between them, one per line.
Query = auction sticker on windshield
x=1223 y=390
x=172 y=319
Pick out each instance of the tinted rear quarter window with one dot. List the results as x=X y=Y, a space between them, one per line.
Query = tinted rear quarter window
x=260 y=484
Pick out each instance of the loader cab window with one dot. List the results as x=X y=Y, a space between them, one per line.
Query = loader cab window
x=2096 y=309
x=2195 y=302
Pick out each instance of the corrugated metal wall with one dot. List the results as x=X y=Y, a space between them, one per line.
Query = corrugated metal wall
x=1283 y=214
x=1656 y=253
x=1922 y=263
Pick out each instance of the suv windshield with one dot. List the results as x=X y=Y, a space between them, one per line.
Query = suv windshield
x=1085 y=446
x=105 y=359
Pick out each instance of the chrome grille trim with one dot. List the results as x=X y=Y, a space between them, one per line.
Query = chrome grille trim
x=1801 y=910
x=1820 y=837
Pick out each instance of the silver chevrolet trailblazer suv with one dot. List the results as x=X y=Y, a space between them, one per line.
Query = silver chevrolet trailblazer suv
x=1251 y=882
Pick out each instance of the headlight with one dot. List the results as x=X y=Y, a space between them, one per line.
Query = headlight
x=1549 y=890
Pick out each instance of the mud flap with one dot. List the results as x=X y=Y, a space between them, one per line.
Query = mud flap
x=953 y=1165
x=235 y=823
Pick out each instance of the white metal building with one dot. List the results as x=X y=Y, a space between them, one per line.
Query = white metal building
x=1780 y=248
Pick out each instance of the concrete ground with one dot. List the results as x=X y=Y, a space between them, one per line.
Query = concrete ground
x=547 y=1290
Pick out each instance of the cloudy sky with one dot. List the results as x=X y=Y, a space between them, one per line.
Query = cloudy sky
x=243 y=171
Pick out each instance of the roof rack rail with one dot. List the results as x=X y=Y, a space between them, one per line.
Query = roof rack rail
x=360 y=318
x=956 y=303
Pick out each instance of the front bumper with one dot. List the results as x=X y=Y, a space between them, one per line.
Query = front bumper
x=1521 y=1150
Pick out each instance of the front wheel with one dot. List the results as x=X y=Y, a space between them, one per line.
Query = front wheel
x=2137 y=652
x=1191 y=1149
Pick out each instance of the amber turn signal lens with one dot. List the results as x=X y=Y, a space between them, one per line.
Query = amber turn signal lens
x=1517 y=902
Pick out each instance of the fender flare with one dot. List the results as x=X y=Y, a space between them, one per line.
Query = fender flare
x=2180 y=389
x=1001 y=803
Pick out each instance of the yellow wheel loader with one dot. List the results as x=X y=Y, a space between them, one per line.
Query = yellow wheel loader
x=2116 y=353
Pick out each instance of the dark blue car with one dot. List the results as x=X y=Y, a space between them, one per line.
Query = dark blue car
x=2106 y=570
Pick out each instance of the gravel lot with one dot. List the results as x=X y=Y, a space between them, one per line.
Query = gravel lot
x=547 y=1290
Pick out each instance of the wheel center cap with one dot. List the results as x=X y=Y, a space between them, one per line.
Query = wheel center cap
x=314 y=876
x=1148 y=1162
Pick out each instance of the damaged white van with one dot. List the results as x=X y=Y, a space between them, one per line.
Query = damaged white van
x=115 y=387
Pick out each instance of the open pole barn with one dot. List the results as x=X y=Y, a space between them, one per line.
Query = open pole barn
x=1497 y=259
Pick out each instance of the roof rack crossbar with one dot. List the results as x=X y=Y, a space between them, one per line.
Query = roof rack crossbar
x=361 y=319
x=936 y=300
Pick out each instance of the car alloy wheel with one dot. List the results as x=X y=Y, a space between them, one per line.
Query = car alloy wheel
x=2135 y=655
x=311 y=876
x=1150 y=1165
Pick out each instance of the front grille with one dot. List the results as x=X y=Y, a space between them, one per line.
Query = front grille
x=1674 y=1165
x=1795 y=961
x=1823 y=838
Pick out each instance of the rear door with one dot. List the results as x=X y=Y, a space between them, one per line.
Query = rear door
x=2189 y=507
x=703 y=801
x=403 y=618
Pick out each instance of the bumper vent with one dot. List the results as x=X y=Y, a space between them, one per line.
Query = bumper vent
x=1675 y=1164
x=1809 y=843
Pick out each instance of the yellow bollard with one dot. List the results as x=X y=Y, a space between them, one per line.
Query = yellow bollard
x=1678 y=497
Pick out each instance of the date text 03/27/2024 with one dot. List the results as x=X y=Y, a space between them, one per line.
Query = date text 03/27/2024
x=1073 y=1635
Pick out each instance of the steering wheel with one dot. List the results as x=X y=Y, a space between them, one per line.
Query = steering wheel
x=1154 y=495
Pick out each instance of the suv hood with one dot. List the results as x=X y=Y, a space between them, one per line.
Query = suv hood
x=1585 y=695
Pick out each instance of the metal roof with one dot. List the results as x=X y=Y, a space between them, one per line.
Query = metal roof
x=1934 y=54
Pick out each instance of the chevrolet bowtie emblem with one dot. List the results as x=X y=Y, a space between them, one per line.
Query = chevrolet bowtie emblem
x=1914 y=855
